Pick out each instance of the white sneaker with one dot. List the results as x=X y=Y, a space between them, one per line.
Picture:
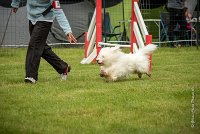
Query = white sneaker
x=63 y=76
x=30 y=80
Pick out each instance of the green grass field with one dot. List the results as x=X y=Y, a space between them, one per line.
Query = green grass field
x=85 y=103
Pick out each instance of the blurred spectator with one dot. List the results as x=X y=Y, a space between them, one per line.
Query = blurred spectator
x=177 y=17
x=188 y=17
x=191 y=31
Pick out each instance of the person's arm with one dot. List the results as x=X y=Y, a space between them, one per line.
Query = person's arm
x=15 y=5
x=64 y=24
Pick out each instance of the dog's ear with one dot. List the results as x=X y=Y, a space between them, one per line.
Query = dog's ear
x=116 y=48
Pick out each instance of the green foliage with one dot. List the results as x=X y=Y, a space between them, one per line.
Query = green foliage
x=116 y=13
x=85 y=103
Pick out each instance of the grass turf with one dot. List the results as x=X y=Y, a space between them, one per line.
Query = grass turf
x=85 y=103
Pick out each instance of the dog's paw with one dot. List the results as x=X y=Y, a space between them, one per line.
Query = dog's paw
x=140 y=75
x=103 y=73
x=112 y=78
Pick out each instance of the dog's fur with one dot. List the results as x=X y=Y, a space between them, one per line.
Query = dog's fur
x=115 y=64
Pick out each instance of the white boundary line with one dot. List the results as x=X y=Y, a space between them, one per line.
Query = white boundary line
x=112 y=45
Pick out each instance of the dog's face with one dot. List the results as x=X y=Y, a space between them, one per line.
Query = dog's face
x=105 y=56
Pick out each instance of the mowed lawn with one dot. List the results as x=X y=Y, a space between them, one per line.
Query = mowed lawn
x=166 y=103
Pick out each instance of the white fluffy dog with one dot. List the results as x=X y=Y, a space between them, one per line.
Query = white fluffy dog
x=115 y=64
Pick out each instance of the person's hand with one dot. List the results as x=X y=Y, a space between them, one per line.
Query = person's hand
x=194 y=30
x=14 y=9
x=71 y=38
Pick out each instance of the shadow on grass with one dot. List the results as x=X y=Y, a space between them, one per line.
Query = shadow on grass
x=127 y=79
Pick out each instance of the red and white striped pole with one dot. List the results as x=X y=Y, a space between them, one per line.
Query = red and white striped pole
x=133 y=19
x=149 y=41
x=98 y=24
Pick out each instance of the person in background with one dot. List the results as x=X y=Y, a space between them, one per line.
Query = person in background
x=177 y=17
x=188 y=17
x=41 y=14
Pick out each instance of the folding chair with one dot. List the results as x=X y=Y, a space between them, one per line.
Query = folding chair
x=109 y=31
x=164 y=25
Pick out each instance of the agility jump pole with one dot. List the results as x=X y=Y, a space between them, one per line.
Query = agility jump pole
x=136 y=38
x=98 y=24
x=95 y=29
x=94 y=35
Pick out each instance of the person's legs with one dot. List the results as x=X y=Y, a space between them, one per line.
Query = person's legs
x=59 y=65
x=183 y=25
x=39 y=33
x=172 y=25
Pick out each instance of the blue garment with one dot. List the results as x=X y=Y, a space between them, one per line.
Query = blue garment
x=35 y=8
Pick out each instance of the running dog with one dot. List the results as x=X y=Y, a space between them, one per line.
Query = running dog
x=115 y=64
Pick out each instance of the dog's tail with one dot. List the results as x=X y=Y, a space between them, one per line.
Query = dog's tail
x=148 y=49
